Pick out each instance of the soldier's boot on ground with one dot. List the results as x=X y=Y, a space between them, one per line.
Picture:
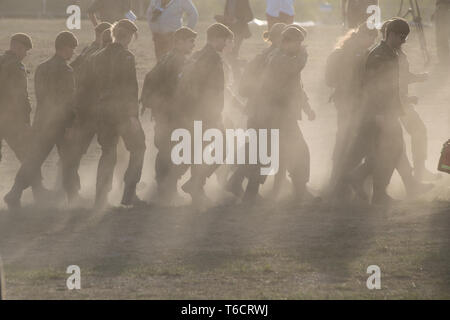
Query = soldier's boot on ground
x=234 y=184
x=251 y=195
x=356 y=181
x=279 y=182
x=301 y=193
x=12 y=199
x=382 y=199
x=130 y=197
x=195 y=188
x=101 y=200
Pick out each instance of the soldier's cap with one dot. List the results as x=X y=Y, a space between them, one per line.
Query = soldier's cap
x=23 y=39
x=275 y=32
x=300 y=28
x=291 y=34
x=184 y=33
x=384 y=26
x=127 y=25
x=66 y=39
x=219 y=31
x=102 y=27
x=398 y=25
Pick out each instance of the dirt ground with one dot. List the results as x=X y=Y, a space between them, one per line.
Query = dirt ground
x=273 y=251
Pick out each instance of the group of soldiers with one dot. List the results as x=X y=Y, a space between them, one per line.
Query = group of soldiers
x=97 y=95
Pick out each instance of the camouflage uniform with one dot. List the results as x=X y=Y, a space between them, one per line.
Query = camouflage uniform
x=117 y=89
x=55 y=87
x=158 y=94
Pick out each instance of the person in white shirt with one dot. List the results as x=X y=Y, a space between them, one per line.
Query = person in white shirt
x=165 y=17
x=280 y=11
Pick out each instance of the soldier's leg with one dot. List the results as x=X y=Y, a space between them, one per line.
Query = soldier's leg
x=44 y=141
x=134 y=139
x=201 y=172
x=108 y=138
x=19 y=138
x=75 y=148
x=297 y=159
x=388 y=150
x=162 y=162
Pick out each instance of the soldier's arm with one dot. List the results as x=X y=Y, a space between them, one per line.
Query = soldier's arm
x=66 y=92
x=130 y=85
x=40 y=84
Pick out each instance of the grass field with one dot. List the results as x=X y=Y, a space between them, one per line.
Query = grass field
x=274 y=251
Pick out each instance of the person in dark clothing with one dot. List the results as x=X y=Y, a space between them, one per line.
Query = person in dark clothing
x=15 y=108
x=207 y=86
x=279 y=109
x=118 y=114
x=344 y=75
x=249 y=88
x=379 y=138
x=158 y=95
x=55 y=88
x=85 y=123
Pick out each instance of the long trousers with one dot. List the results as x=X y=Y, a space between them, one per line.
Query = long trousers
x=132 y=134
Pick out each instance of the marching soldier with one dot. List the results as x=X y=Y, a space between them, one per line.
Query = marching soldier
x=55 y=87
x=383 y=107
x=343 y=74
x=279 y=109
x=117 y=89
x=249 y=89
x=108 y=10
x=354 y=12
x=15 y=109
x=158 y=94
x=85 y=123
x=207 y=86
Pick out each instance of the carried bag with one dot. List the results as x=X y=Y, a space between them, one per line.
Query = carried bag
x=444 y=161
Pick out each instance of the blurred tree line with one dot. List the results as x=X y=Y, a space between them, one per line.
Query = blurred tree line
x=316 y=10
